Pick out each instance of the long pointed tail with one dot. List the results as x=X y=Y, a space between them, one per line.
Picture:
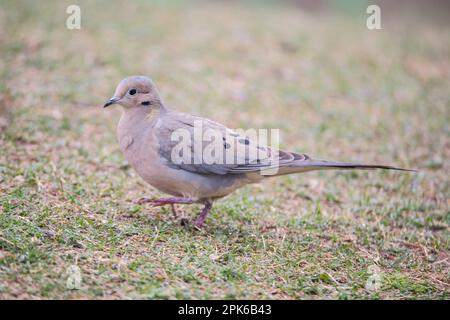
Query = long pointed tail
x=324 y=164
x=303 y=163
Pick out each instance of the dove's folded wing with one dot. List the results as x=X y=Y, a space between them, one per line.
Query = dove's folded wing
x=238 y=154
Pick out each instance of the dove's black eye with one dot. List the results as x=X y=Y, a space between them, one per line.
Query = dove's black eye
x=132 y=92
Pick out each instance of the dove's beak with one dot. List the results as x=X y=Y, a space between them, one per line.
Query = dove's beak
x=111 y=101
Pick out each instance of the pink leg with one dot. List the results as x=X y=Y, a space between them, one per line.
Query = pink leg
x=164 y=201
x=201 y=218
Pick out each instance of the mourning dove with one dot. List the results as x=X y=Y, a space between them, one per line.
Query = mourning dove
x=146 y=132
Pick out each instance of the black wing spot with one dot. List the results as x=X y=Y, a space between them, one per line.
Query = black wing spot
x=244 y=141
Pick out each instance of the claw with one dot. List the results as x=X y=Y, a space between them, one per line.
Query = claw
x=142 y=201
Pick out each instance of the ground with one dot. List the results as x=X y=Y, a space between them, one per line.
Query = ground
x=335 y=90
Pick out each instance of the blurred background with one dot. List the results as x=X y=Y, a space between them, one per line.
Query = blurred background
x=310 y=68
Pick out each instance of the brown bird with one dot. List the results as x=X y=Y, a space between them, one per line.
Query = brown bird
x=147 y=130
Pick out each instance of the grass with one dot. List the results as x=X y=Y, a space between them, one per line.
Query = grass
x=335 y=90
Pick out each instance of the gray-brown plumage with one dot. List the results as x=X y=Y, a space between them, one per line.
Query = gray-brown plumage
x=145 y=133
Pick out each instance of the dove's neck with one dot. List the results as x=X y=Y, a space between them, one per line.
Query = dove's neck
x=135 y=123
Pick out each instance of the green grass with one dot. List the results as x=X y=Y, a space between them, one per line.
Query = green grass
x=335 y=90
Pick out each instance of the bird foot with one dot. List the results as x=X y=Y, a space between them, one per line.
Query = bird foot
x=198 y=225
x=199 y=222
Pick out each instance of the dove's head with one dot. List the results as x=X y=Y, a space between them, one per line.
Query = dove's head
x=135 y=91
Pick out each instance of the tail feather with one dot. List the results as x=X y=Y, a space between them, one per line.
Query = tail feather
x=312 y=164
x=301 y=160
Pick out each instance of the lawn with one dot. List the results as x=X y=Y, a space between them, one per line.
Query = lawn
x=334 y=89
